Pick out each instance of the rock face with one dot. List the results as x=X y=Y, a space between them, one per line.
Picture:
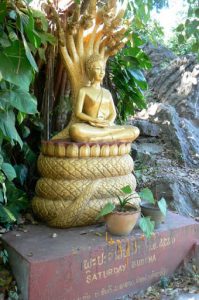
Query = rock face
x=171 y=126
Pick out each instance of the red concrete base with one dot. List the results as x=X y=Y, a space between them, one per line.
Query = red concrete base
x=81 y=264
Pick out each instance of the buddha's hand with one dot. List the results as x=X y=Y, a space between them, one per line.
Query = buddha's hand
x=100 y=123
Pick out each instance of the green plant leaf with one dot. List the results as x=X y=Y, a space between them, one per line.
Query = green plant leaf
x=1 y=161
x=162 y=206
x=195 y=47
x=2 y=177
x=15 y=67
x=6 y=216
x=9 y=171
x=41 y=52
x=147 y=195
x=22 y=172
x=25 y=132
x=20 y=117
x=21 y=100
x=31 y=33
x=107 y=209
x=147 y=226
x=137 y=41
x=181 y=38
x=137 y=74
x=180 y=28
x=197 y=12
x=7 y=126
x=17 y=199
x=47 y=38
x=43 y=23
x=29 y=155
x=3 y=10
x=4 y=40
x=120 y=201
x=1 y=196
x=127 y=189
x=12 y=14
x=27 y=49
x=12 y=36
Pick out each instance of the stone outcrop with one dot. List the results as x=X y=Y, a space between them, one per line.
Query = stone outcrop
x=169 y=142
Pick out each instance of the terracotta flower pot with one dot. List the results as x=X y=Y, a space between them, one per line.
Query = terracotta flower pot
x=121 y=223
x=149 y=210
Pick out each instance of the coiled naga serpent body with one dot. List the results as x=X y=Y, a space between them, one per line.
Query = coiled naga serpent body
x=75 y=185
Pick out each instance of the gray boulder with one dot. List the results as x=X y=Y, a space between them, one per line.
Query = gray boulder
x=171 y=124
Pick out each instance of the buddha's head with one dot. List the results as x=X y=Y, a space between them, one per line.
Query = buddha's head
x=95 y=68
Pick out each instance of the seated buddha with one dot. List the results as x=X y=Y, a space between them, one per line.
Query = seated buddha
x=96 y=112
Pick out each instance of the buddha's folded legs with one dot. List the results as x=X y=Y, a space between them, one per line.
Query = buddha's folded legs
x=82 y=132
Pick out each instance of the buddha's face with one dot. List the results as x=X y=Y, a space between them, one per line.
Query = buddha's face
x=97 y=71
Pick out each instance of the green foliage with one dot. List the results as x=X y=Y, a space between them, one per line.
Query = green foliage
x=145 y=223
x=127 y=66
x=123 y=202
x=17 y=201
x=147 y=195
x=128 y=78
x=13 y=295
x=23 y=32
x=186 y=38
x=147 y=226
x=107 y=209
x=4 y=256
x=162 y=206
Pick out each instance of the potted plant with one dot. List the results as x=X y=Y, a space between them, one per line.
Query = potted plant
x=120 y=219
x=152 y=207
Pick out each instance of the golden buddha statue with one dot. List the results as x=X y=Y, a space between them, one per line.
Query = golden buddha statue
x=85 y=165
x=96 y=112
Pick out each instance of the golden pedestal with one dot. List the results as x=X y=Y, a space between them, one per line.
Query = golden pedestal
x=78 y=179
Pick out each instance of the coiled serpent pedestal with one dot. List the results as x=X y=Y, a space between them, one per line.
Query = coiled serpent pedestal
x=73 y=189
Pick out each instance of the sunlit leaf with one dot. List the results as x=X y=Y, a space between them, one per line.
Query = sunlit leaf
x=147 y=226
x=12 y=14
x=20 y=117
x=9 y=217
x=137 y=40
x=162 y=206
x=9 y=171
x=138 y=75
x=127 y=189
x=147 y=195
x=107 y=209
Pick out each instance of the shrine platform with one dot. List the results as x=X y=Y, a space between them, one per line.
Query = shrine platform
x=86 y=263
